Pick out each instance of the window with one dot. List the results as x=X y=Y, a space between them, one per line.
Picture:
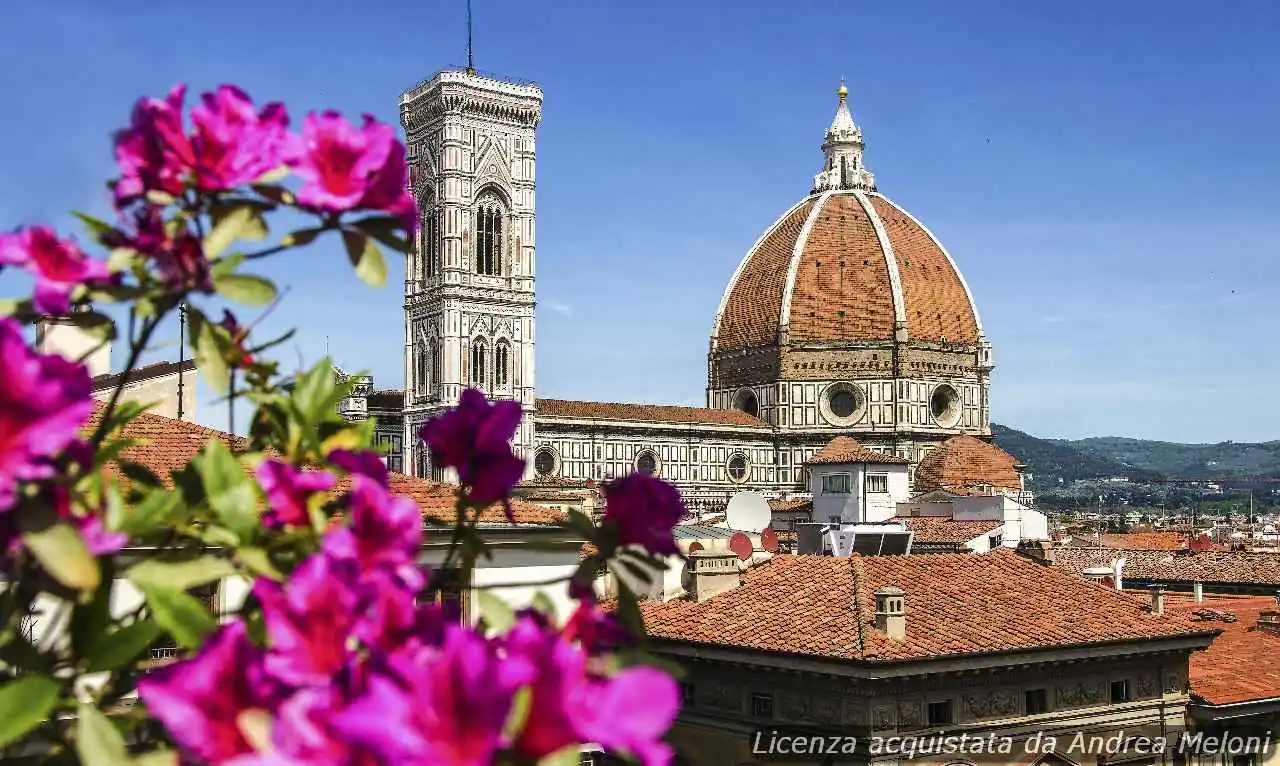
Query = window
x=747 y=402
x=423 y=461
x=489 y=215
x=1037 y=701
x=430 y=244
x=1119 y=691
x=738 y=467
x=762 y=705
x=501 y=363
x=686 y=692
x=835 y=484
x=647 y=463
x=433 y=378
x=447 y=589
x=834 y=518
x=843 y=404
x=877 y=482
x=997 y=540
x=544 y=462
x=477 y=363
x=939 y=713
x=424 y=369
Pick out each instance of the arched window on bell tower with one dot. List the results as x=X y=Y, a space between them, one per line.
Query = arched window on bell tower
x=502 y=363
x=430 y=243
x=490 y=214
x=423 y=369
x=477 y=363
x=436 y=360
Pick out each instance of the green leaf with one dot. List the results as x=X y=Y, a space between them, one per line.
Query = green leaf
x=96 y=227
x=569 y=756
x=496 y=613
x=581 y=523
x=543 y=603
x=364 y=254
x=519 y=715
x=226 y=265
x=122 y=646
x=271 y=177
x=228 y=490
x=156 y=758
x=385 y=229
x=629 y=611
x=313 y=390
x=98 y=741
x=181 y=615
x=122 y=259
x=180 y=575
x=150 y=513
x=210 y=359
x=138 y=473
x=239 y=222
x=24 y=704
x=302 y=237
x=89 y=620
x=246 y=289
x=62 y=553
x=259 y=563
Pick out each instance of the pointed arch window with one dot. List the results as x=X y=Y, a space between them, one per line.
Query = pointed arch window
x=477 y=363
x=490 y=213
x=423 y=370
x=501 y=363
x=437 y=360
x=430 y=244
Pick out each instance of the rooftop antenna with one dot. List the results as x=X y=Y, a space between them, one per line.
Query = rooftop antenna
x=471 y=64
x=326 y=345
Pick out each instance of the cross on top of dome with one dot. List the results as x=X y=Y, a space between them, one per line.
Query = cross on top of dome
x=842 y=148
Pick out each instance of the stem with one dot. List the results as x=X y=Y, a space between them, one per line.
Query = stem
x=135 y=353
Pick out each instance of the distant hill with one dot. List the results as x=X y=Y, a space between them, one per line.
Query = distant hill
x=1139 y=459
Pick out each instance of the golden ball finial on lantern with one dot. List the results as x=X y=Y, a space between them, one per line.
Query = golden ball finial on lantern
x=842 y=91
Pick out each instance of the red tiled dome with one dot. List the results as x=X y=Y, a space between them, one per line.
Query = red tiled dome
x=844 y=266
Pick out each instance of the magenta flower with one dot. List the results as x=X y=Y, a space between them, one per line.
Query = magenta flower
x=309 y=622
x=153 y=153
x=59 y=266
x=44 y=400
x=385 y=530
x=448 y=709
x=605 y=712
x=178 y=256
x=289 y=490
x=348 y=168
x=556 y=670
x=363 y=463
x=475 y=439
x=233 y=144
x=644 y=509
x=199 y=699
x=97 y=538
x=597 y=630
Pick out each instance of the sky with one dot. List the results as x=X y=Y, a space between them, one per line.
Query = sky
x=1103 y=173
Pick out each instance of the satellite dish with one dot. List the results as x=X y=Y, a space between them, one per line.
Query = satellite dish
x=748 y=512
x=769 y=540
x=741 y=545
x=694 y=547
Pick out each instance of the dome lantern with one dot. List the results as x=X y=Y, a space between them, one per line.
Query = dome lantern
x=842 y=149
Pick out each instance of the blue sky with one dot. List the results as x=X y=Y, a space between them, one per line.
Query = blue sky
x=1102 y=172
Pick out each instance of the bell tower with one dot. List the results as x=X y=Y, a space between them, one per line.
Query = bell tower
x=469 y=284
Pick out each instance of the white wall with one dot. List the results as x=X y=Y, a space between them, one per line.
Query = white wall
x=1020 y=522
x=879 y=506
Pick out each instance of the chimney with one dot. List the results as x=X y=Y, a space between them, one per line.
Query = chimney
x=1118 y=567
x=1197 y=588
x=891 y=612
x=712 y=573
x=1157 y=599
x=1269 y=621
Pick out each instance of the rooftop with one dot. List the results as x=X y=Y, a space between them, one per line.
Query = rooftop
x=139 y=374
x=166 y=445
x=957 y=604
x=1239 y=666
x=939 y=529
x=653 y=413
x=846 y=449
x=1241 y=567
x=965 y=463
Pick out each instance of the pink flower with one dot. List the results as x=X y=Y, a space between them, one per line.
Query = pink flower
x=348 y=168
x=233 y=144
x=597 y=630
x=44 y=400
x=153 y=153
x=59 y=266
x=448 y=707
x=289 y=490
x=556 y=670
x=363 y=463
x=199 y=699
x=96 y=537
x=644 y=509
x=385 y=531
x=178 y=256
x=309 y=622
x=605 y=712
x=475 y=439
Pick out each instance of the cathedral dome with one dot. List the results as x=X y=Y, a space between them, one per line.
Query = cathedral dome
x=845 y=264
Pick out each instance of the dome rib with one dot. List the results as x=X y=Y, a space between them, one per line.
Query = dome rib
x=776 y=231
x=926 y=289
x=891 y=262
x=793 y=266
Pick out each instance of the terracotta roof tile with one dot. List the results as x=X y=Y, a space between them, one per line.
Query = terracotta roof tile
x=787 y=506
x=956 y=604
x=658 y=413
x=938 y=306
x=846 y=449
x=1240 y=665
x=754 y=306
x=147 y=372
x=937 y=529
x=1175 y=566
x=170 y=444
x=842 y=290
x=965 y=463
x=1148 y=541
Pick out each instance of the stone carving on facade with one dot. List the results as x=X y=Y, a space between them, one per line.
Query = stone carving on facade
x=825 y=708
x=910 y=714
x=1175 y=682
x=794 y=706
x=855 y=711
x=996 y=703
x=1145 y=686
x=721 y=696
x=1077 y=693
x=883 y=717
